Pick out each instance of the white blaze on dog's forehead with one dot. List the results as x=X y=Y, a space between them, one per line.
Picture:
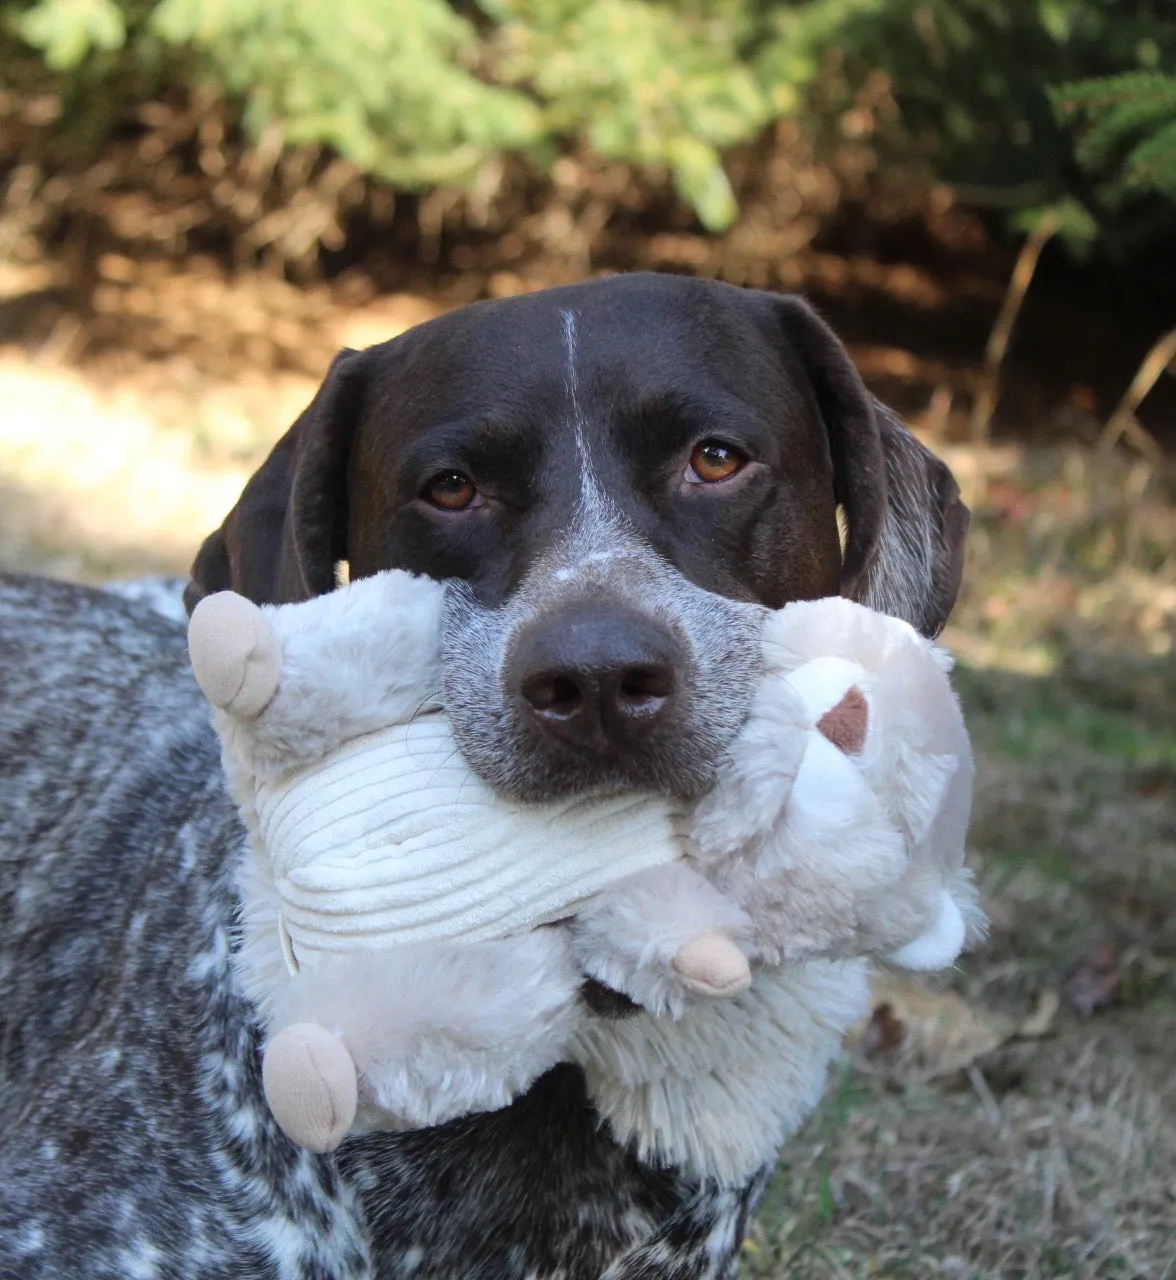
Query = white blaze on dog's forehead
x=594 y=504
x=597 y=531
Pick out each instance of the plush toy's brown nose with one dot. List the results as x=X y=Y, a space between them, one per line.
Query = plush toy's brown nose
x=596 y=676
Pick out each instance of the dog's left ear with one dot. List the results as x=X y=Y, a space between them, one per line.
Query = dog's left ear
x=904 y=553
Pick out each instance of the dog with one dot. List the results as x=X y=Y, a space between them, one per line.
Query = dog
x=579 y=461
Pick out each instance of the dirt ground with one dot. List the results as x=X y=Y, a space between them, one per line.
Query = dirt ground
x=1014 y=1120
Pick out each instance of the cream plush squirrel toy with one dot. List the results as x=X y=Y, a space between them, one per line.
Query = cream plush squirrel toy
x=416 y=944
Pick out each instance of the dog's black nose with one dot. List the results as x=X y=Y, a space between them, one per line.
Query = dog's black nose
x=595 y=675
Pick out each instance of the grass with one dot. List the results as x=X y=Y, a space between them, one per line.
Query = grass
x=1013 y=1121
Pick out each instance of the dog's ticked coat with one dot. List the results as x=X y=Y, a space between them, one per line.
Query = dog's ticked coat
x=137 y=1141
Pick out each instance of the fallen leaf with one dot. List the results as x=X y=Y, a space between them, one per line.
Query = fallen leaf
x=916 y=1030
x=884 y=1032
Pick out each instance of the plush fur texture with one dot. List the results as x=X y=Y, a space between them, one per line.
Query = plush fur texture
x=836 y=830
x=392 y=840
x=434 y=1032
x=847 y=855
x=438 y=1032
x=340 y=677
x=627 y=938
x=717 y=1091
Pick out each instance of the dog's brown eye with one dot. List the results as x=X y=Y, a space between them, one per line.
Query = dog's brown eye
x=712 y=461
x=451 y=491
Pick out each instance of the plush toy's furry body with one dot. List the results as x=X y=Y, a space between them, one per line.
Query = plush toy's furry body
x=396 y=911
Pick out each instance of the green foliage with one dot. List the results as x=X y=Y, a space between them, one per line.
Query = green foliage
x=971 y=78
x=973 y=99
x=421 y=95
x=646 y=83
x=389 y=85
x=427 y=93
x=1131 y=131
x=66 y=30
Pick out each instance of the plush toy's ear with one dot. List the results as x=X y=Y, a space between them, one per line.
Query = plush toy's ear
x=906 y=524
x=283 y=539
x=846 y=724
x=235 y=655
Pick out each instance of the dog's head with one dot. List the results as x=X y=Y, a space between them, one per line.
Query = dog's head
x=618 y=476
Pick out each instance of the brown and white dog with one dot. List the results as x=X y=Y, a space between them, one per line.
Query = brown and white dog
x=577 y=459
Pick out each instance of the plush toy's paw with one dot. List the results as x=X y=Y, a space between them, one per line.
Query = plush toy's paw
x=310 y=1085
x=441 y=1030
x=235 y=655
x=712 y=965
x=940 y=945
x=662 y=935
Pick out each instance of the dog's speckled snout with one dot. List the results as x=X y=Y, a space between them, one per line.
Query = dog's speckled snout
x=606 y=668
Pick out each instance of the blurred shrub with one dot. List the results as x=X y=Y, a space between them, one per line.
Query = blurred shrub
x=420 y=94
x=1129 y=138
x=973 y=98
x=432 y=94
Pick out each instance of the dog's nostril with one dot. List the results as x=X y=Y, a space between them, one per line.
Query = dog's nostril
x=553 y=695
x=645 y=688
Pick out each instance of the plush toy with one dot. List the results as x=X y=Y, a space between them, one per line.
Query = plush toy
x=837 y=822
x=417 y=944
x=393 y=905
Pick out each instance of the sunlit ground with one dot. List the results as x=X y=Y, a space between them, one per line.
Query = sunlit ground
x=1014 y=1121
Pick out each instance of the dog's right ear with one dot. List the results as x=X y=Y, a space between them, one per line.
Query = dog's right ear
x=283 y=539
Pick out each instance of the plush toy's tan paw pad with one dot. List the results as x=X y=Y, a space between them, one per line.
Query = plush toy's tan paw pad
x=845 y=724
x=236 y=658
x=712 y=965
x=310 y=1085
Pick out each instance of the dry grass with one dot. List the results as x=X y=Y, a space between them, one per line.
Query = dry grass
x=979 y=1128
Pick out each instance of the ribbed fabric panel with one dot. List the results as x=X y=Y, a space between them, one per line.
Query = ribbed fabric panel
x=392 y=840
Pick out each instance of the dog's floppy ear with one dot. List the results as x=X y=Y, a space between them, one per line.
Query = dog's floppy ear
x=282 y=540
x=906 y=523
x=916 y=568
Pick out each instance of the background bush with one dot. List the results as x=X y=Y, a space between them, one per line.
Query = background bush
x=278 y=114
